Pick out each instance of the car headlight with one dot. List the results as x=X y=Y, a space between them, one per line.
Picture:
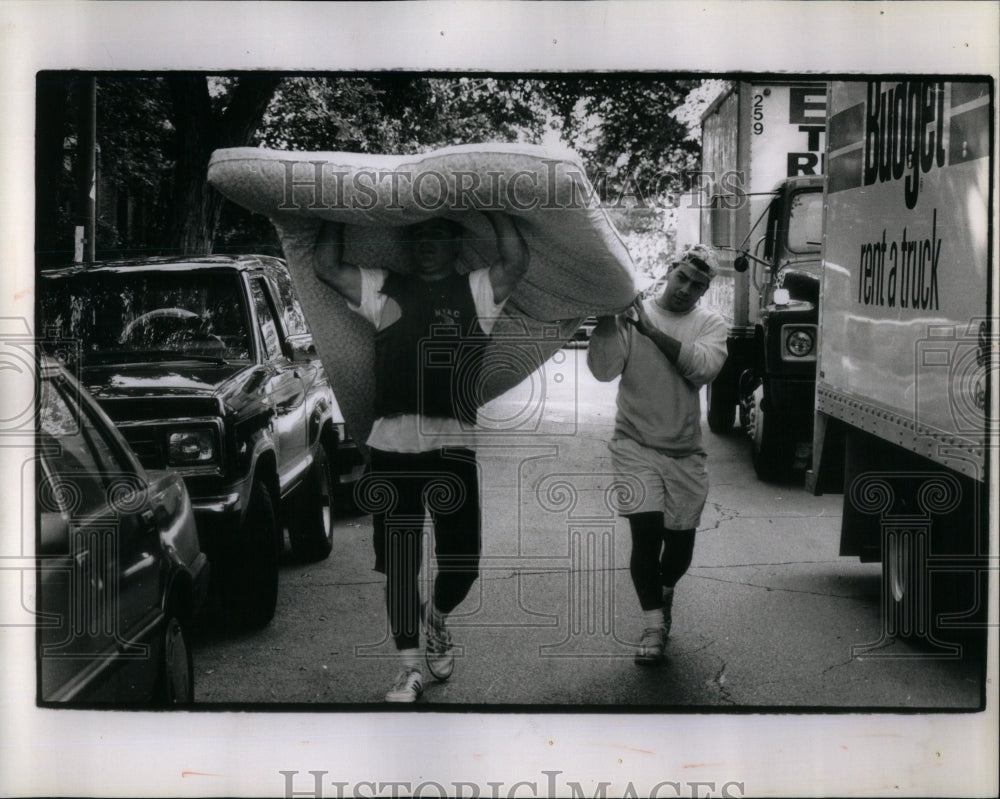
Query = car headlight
x=190 y=447
x=800 y=343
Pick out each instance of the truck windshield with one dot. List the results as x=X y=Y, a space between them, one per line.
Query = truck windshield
x=805 y=222
x=126 y=317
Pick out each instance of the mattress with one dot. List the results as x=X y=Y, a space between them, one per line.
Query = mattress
x=578 y=264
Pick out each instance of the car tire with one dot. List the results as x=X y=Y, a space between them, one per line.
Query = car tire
x=311 y=529
x=252 y=587
x=721 y=407
x=771 y=448
x=175 y=679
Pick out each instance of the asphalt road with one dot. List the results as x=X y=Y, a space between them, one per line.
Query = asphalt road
x=769 y=616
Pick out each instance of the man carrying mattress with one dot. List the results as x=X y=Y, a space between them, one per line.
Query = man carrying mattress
x=432 y=325
x=665 y=350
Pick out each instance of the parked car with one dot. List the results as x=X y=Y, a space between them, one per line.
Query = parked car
x=121 y=575
x=207 y=366
x=581 y=336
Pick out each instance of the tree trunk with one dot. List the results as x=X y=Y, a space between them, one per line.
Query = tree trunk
x=196 y=206
x=51 y=103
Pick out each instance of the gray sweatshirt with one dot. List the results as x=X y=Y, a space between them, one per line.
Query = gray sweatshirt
x=658 y=402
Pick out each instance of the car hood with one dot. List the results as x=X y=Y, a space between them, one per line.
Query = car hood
x=158 y=380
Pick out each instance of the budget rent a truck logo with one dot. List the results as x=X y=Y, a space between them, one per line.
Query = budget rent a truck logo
x=904 y=130
x=899 y=137
x=904 y=134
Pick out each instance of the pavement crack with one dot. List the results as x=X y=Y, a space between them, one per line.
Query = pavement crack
x=773 y=588
x=828 y=669
x=719 y=681
x=724 y=515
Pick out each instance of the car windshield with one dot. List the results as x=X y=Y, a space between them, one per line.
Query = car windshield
x=125 y=317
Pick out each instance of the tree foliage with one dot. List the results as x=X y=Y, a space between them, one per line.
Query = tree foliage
x=625 y=129
x=156 y=134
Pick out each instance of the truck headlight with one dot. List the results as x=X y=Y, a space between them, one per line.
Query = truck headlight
x=800 y=342
x=192 y=447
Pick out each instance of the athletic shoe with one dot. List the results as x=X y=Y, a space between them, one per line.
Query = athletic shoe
x=440 y=658
x=651 y=647
x=668 y=602
x=407 y=688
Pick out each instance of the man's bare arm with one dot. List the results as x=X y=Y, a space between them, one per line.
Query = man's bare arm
x=513 y=251
x=328 y=263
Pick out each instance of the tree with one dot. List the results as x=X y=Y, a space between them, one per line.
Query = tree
x=156 y=134
x=400 y=113
x=204 y=123
x=624 y=128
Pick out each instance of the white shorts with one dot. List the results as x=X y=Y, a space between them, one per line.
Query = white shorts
x=677 y=487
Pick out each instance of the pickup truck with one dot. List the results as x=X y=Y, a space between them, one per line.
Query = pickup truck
x=207 y=366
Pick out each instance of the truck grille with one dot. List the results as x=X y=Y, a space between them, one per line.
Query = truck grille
x=148 y=448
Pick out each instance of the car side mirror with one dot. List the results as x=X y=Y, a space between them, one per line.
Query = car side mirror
x=304 y=351
x=741 y=264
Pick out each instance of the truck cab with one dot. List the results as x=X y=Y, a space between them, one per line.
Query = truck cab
x=775 y=386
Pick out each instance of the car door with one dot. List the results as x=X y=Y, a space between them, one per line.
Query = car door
x=302 y=348
x=99 y=552
x=285 y=387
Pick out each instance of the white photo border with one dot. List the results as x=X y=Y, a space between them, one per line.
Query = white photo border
x=49 y=752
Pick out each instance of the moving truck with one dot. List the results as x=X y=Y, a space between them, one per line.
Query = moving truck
x=763 y=150
x=907 y=351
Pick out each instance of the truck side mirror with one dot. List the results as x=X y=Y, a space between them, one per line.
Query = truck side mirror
x=741 y=264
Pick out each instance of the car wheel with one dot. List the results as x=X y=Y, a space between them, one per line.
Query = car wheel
x=252 y=590
x=311 y=530
x=175 y=679
x=771 y=448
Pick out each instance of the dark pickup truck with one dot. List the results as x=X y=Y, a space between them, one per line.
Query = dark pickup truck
x=207 y=366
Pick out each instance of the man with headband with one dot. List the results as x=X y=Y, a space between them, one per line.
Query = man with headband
x=665 y=349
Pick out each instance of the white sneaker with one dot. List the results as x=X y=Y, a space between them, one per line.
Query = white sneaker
x=439 y=655
x=407 y=688
x=651 y=647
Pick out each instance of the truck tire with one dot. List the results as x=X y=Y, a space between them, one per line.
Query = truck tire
x=251 y=593
x=175 y=678
x=721 y=401
x=915 y=600
x=771 y=448
x=311 y=528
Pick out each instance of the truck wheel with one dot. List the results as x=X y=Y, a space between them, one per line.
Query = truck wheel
x=721 y=407
x=175 y=679
x=311 y=530
x=906 y=590
x=899 y=586
x=252 y=589
x=771 y=448
x=915 y=599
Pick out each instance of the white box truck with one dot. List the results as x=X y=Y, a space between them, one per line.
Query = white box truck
x=907 y=351
x=763 y=149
